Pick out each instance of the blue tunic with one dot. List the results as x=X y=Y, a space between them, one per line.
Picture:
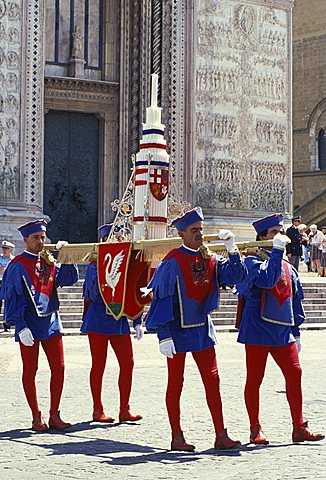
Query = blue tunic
x=96 y=319
x=265 y=274
x=174 y=311
x=29 y=287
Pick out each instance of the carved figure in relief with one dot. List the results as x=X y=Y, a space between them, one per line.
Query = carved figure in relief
x=8 y=180
x=11 y=124
x=270 y=132
x=77 y=43
x=273 y=41
x=12 y=81
x=14 y=11
x=13 y=60
x=10 y=149
x=12 y=102
x=213 y=33
x=2 y=130
x=13 y=35
x=2 y=80
x=2 y=32
x=2 y=8
x=215 y=125
x=212 y=7
x=269 y=16
x=1 y=104
x=217 y=80
x=2 y=57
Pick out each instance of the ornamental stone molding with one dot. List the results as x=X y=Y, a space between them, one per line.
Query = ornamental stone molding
x=98 y=95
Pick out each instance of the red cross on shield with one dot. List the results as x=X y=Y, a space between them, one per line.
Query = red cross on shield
x=159 y=183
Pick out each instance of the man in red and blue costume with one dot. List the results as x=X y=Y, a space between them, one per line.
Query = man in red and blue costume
x=31 y=304
x=185 y=291
x=271 y=298
x=102 y=328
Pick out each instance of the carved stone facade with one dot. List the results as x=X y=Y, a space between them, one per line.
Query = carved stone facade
x=224 y=70
x=242 y=112
x=21 y=112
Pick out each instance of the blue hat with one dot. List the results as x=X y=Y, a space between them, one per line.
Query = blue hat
x=33 y=227
x=188 y=218
x=275 y=220
x=106 y=229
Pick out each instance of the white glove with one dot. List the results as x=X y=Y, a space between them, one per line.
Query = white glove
x=26 y=337
x=280 y=241
x=145 y=291
x=228 y=238
x=298 y=342
x=139 y=332
x=60 y=244
x=167 y=348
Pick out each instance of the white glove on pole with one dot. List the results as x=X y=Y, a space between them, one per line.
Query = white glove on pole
x=139 y=332
x=298 y=342
x=228 y=238
x=167 y=348
x=26 y=337
x=60 y=244
x=280 y=241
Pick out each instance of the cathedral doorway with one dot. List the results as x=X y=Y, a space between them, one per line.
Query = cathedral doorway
x=71 y=171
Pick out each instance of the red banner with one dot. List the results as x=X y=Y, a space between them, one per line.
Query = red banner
x=138 y=276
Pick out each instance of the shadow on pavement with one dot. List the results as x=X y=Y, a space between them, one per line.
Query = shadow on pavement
x=77 y=427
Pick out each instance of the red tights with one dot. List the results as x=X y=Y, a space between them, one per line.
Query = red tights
x=206 y=363
x=122 y=347
x=53 y=348
x=287 y=359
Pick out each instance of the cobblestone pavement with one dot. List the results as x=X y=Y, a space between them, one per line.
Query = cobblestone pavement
x=91 y=450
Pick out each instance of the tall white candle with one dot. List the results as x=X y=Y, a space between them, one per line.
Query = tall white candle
x=154 y=89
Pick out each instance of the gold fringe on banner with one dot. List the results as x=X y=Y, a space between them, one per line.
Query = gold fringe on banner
x=151 y=250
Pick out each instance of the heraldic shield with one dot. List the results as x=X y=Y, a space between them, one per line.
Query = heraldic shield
x=121 y=274
x=159 y=183
x=138 y=276
x=112 y=267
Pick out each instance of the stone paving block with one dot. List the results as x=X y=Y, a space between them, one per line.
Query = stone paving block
x=90 y=450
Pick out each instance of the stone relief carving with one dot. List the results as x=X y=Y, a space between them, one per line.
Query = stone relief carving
x=270 y=15
x=12 y=81
x=241 y=109
x=9 y=179
x=14 y=11
x=13 y=35
x=2 y=57
x=245 y=19
x=228 y=187
x=215 y=125
x=211 y=7
x=2 y=8
x=12 y=60
x=9 y=100
x=2 y=32
x=77 y=43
